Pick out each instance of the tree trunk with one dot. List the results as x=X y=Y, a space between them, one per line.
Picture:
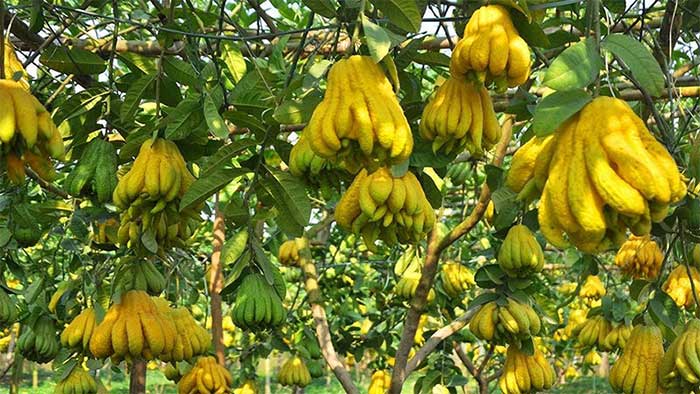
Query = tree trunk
x=216 y=283
x=137 y=383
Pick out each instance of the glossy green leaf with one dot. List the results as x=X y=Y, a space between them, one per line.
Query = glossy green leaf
x=645 y=69
x=575 y=68
x=556 y=108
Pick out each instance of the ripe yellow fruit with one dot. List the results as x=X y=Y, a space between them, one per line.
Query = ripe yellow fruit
x=678 y=286
x=380 y=382
x=360 y=119
x=288 y=253
x=524 y=374
x=592 y=289
x=205 y=377
x=510 y=322
x=134 y=328
x=456 y=278
x=294 y=373
x=640 y=257
x=637 y=369
x=605 y=173
x=491 y=45
x=680 y=366
x=78 y=381
x=593 y=332
x=382 y=206
x=248 y=387
x=79 y=331
x=460 y=116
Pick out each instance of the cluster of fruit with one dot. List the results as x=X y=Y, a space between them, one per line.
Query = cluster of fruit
x=407 y=284
x=492 y=48
x=456 y=278
x=359 y=121
x=78 y=332
x=140 y=274
x=96 y=166
x=380 y=382
x=679 y=288
x=78 y=381
x=512 y=321
x=258 y=304
x=148 y=196
x=640 y=257
x=382 y=206
x=601 y=172
x=38 y=341
x=288 y=253
x=521 y=254
x=8 y=309
x=617 y=337
x=637 y=369
x=133 y=328
x=205 y=377
x=524 y=373
x=28 y=131
x=680 y=367
x=593 y=332
x=592 y=289
x=460 y=115
x=294 y=373
x=191 y=339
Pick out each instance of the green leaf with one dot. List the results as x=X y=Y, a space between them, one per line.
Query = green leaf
x=290 y=199
x=134 y=95
x=214 y=120
x=223 y=155
x=206 y=186
x=244 y=120
x=148 y=239
x=325 y=8
x=432 y=59
x=663 y=309
x=181 y=71
x=295 y=112
x=377 y=38
x=234 y=247
x=36 y=17
x=530 y=31
x=556 y=108
x=575 y=68
x=639 y=60
x=72 y=60
x=402 y=13
x=233 y=58
x=182 y=120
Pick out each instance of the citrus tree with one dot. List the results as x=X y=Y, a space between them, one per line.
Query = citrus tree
x=436 y=196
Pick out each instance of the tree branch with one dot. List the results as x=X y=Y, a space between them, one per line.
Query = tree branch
x=323 y=334
x=437 y=337
x=216 y=282
x=435 y=248
x=264 y=15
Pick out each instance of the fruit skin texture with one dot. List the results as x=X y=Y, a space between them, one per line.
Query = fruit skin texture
x=258 y=304
x=39 y=341
x=380 y=382
x=678 y=286
x=492 y=46
x=205 y=377
x=593 y=332
x=78 y=381
x=525 y=374
x=680 y=366
x=381 y=206
x=78 y=332
x=248 y=387
x=520 y=253
x=511 y=322
x=592 y=289
x=359 y=119
x=640 y=257
x=456 y=278
x=294 y=373
x=636 y=371
x=133 y=328
x=601 y=173
x=460 y=116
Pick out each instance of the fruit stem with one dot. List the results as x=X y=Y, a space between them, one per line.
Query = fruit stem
x=216 y=282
